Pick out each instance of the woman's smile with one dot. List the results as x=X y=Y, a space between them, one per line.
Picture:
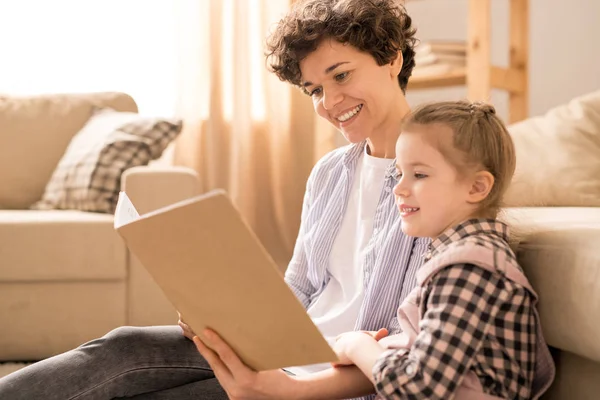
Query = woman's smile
x=346 y=118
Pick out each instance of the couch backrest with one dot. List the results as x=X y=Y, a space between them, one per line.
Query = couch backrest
x=558 y=156
x=34 y=133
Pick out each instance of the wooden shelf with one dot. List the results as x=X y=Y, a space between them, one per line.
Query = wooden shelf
x=456 y=77
x=480 y=76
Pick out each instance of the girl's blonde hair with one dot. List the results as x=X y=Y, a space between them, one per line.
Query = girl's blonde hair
x=480 y=142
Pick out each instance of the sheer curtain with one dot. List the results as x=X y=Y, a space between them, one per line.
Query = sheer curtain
x=246 y=131
x=202 y=60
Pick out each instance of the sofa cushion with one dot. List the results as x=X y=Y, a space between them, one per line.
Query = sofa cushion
x=59 y=246
x=34 y=133
x=558 y=162
x=88 y=177
x=558 y=250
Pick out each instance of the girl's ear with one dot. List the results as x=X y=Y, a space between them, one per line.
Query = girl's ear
x=396 y=65
x=482 y=184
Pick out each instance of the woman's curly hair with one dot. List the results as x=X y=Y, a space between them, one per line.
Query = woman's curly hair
x=378 y=27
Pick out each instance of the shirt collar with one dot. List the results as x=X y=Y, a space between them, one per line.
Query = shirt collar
x=391 y=171
x=353 y=153
x=356 y=150
x=468 y=228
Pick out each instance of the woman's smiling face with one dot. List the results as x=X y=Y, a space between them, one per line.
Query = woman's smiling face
x=349 y=89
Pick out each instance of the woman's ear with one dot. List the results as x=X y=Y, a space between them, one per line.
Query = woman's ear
x=396 y=65
x=481 y=185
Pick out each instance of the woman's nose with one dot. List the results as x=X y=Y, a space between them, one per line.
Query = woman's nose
x=331 y=98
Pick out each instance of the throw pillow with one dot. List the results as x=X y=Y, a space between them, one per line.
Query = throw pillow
x=558 y=157
x=88 y=176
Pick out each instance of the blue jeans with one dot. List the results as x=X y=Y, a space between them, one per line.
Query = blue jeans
x=152 y=363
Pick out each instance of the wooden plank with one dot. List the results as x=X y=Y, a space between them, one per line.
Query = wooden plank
x=454 y=78
x=518 y=61
x=508 y=79
x=479 y=51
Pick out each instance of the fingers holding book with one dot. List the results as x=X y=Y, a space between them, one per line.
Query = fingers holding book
x=187 y=331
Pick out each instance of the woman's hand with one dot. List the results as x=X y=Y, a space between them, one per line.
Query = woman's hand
x=239 y=381
x=348 y=342
x=187 y=331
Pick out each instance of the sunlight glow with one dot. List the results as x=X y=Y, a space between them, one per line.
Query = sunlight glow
x=156 y=51
x=257 y=84
x=78 y=46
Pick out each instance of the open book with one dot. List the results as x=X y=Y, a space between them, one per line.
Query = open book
x=215 y=271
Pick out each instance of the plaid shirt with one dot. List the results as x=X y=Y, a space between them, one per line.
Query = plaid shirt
x=472 y=320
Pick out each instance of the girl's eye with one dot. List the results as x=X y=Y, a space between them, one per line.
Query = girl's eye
x=420 y=176
x=341 y=76
x=397 y=175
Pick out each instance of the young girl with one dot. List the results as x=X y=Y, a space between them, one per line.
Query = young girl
x=470 y=329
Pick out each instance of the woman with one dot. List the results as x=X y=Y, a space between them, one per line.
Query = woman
x=352 y=265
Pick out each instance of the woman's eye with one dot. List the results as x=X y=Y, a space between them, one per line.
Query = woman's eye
x=397 y=175
x=341 y=76
x=315 y=91
x=420 y=176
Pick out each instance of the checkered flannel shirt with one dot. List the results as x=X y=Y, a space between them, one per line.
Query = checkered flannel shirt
x=471 y=319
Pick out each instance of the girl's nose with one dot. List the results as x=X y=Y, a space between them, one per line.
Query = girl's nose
x=400 y=189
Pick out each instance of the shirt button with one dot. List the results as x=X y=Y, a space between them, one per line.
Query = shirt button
x=388 y=189
x=410 y=370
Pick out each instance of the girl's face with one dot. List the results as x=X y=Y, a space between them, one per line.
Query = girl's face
x=350 y=90
x=430 y=194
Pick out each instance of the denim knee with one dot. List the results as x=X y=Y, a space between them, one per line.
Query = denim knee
x=119 y=342
x=131 y=346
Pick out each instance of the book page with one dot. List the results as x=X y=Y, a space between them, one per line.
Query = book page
x=125 y=211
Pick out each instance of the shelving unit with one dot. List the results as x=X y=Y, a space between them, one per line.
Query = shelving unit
x=479 y=75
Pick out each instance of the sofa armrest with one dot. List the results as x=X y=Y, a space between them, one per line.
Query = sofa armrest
x=152 y=187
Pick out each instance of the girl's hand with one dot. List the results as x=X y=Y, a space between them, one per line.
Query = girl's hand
x=348 y=342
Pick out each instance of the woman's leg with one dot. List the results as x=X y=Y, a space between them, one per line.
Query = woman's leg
x=208 y=389
x=126 y=362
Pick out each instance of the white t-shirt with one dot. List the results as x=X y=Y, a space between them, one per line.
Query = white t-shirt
x=336 y=310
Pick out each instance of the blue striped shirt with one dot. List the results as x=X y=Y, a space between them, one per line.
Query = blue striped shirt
x=391 y=258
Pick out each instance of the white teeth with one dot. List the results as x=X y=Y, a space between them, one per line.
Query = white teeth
x=349 y=114
x=405 y=209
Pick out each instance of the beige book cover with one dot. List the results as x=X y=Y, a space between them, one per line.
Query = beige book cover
x=215 y=271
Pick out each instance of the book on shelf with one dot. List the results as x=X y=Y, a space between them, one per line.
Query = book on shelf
x=442 y=47
x=432 y=70
x=432 y=58
x=439 y=57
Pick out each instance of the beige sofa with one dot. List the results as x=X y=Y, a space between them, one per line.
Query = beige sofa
x=554 y=209
x=560 y=254
x=66 y=276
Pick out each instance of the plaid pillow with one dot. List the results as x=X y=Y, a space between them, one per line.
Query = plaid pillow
x=88 y=177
